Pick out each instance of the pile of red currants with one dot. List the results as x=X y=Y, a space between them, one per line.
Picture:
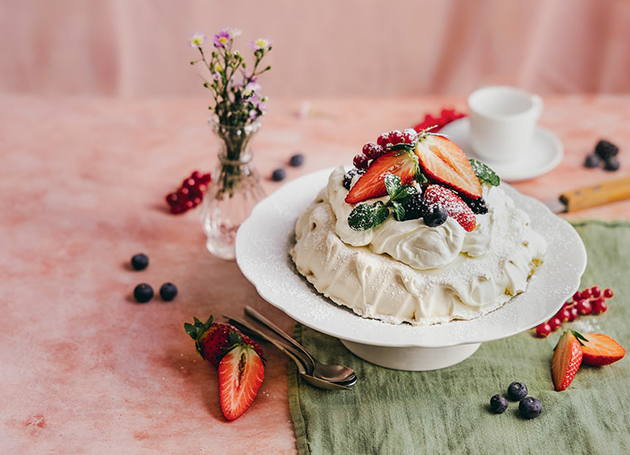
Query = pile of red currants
x=589 y=301
x=445 y=117
x=190 y=194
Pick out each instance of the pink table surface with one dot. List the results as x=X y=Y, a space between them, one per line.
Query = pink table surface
x=84 y=369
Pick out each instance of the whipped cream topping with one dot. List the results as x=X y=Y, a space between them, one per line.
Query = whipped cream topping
x=409 y=272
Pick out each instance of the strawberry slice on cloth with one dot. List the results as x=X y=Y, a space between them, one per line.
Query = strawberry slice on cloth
x=601 y=350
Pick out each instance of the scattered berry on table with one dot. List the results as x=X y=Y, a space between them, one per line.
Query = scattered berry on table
x=567 y=358
x=415 y=208
x=600 y=350
x=143 y=293
x=606 y=150
x=608 y=293
x=573 y=314
x=189 y=194
x=612 y=164
x=213 y=338
x=436 y=215
x=498 y=404
x=596 y=291
x=584 y=307
x=278 y=175
x=348 y=176
x=592 y=161
x=139 y=261
x=297 y=160
x=543 y=330
x=599 y=306
x=517 y=390
x=563 y=315
x=168 y=291
x=529 y=408
x=241 y=373
x=585 y=294
x=373 y=150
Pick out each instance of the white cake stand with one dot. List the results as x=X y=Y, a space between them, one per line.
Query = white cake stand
x=263 y=243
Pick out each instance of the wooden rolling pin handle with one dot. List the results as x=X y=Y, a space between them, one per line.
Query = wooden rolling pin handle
x=592 y=196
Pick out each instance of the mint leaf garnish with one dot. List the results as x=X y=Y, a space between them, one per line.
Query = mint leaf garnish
x=399 y=211
x=366 y=216
x=421 y=178
x=484 y=173
x=393 y=185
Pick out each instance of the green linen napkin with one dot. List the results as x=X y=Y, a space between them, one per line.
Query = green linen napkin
x=447 y=411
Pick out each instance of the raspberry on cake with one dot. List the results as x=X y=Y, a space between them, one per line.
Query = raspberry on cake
x=417 y=234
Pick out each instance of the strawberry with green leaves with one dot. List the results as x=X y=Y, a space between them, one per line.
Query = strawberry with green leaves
x=212 y=339
x=239 y=360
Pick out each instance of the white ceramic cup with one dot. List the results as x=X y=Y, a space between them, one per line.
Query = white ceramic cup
x=502 y=121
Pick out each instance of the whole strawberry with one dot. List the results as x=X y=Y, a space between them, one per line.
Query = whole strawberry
x=212 y=339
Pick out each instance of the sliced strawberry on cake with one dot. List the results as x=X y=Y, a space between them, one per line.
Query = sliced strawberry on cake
x=444 y=162
x=453 y=204
x=371 y=184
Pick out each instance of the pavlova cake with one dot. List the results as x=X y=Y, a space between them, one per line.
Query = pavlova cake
x=416 y=233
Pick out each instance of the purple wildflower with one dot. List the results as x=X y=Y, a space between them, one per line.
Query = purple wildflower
x=260 y=44
x=223 y=38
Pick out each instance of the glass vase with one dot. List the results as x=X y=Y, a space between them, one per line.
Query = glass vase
x=234 y=190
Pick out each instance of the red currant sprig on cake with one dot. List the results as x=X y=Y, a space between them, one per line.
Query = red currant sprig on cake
x=445 y=117
x=372 y=151
x=589 y=301
x=190 y=193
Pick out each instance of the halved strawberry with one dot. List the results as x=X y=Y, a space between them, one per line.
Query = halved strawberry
x=371 y=184
x=601 y=350
x=443 y=161
x=241 y=373
x=566 y=360
x=454 y=205
x=212 y=339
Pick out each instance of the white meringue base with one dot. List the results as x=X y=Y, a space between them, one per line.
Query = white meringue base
x=375 y=285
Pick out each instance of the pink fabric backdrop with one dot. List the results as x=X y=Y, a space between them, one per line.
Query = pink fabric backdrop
x=323 y=48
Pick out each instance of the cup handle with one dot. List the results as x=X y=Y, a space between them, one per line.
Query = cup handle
x=538 y=104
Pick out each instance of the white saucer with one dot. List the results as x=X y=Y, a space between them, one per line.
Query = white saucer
x=264 y=240
x=546 y=152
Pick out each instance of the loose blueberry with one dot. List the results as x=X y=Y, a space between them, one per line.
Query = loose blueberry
x=297 y=160
x=529 y=408
x=278 y=175
x=612 y=164
x=139 y=261
x=143 y=293
x=498 y=404
x=435 y=216
x=592 y=161
x=517 y=391
x=415 y=208
x=606 y=149
x=168 y=291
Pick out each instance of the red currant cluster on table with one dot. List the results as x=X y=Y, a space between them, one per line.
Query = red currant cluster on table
x=372 y=151
x=445 y=117
x=190 y=194
x=589 y=301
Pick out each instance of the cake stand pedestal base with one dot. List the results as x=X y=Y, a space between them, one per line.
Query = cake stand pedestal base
x=412 y=358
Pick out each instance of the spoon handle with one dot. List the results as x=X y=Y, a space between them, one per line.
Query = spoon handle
x=248 y=329
x=252 y=313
